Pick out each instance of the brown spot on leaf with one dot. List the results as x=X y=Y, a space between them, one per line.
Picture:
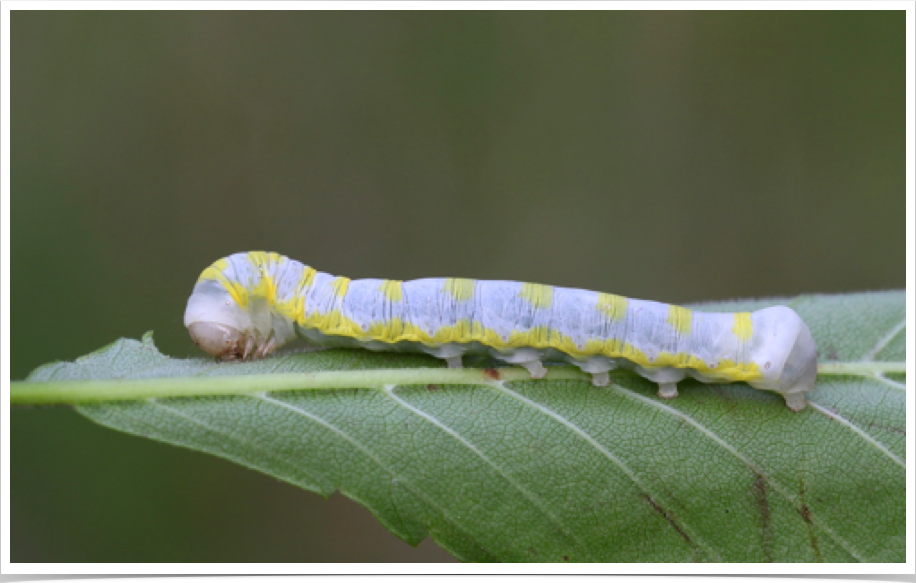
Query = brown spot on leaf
x=806 y=516
x=432 y=388
x=763 y=506
x=666 y=516
x=492 y=373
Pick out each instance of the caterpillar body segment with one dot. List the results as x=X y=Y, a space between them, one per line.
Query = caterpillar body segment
x=248 y=304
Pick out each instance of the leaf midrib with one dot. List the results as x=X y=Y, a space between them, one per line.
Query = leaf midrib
x=77 y=392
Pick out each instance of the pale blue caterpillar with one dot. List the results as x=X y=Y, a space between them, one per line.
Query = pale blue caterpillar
x=248 y=304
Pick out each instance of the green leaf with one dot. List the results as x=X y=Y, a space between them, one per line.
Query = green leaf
x=498 y=468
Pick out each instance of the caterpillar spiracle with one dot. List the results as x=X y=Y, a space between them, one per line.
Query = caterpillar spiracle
x=249 y=304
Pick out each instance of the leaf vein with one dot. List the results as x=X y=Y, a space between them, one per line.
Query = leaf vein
x=231 y=437
x=857 y=430
x=530 y=496
x=579 y=432
x=777 y=487
x=883 y=342
x=371 y=455
x=890 y=382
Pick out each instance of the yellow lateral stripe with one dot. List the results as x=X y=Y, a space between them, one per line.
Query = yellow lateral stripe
x=743 y=327
x=392 y=290
x=460 y=289
x=537 y=336
x=397 y=330
x=615 y=307
x=681 y=319
x=539 y=296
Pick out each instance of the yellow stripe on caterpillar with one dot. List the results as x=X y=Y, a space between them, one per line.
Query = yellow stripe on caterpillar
x=392 y=290
x=744 y=327
x=681 y=319
x=460 y=289
x=615 y=307
x=247 y=305
x=539 y=296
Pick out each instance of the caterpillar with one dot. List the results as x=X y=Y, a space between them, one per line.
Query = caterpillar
x=249 y=304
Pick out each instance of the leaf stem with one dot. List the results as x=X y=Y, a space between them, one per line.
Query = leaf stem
x=100 y=391
x=860 y=368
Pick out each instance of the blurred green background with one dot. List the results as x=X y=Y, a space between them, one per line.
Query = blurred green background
x=675 y=156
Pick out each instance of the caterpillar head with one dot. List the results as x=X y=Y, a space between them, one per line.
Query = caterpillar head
x=226 y=330
x=219 y=340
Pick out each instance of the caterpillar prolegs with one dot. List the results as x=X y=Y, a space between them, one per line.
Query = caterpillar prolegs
x=248 y=304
